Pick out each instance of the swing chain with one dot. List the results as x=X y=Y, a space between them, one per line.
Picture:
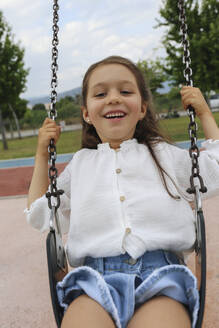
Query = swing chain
x=193 y=127
x=53 y=172
x=54 y=66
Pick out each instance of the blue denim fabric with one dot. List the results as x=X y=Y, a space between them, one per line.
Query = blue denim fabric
x=121 y=284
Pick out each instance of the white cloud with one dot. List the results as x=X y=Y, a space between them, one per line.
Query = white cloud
x=35 y=41
x=11 y=4
x=89 y=31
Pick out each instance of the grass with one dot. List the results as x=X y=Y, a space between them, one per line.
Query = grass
x=70 y=142
x=177 y=128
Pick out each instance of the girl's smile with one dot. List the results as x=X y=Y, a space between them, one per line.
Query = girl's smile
x=114 y=104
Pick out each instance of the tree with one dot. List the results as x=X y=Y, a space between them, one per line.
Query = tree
x=39 y=107
x=153 y=73
x=34 y=118
x=64 y=101
x=203 y=31
x=78 y=99
x=12 y=74
x=67 y=108
x=21 y=108
x=70 y=110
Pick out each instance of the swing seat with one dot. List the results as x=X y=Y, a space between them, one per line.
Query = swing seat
x=200 y=264
x=56 y=273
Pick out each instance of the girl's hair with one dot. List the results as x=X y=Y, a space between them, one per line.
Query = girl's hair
x=147 y=130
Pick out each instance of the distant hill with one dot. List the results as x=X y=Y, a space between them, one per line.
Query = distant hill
x=46 y=99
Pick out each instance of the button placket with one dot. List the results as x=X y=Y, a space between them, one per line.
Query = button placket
x=118 y=171
x=122 y=197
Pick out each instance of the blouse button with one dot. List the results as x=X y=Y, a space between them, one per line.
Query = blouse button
x=122 y=198
x=118 y=170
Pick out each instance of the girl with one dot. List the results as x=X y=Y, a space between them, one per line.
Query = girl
x=125 y=207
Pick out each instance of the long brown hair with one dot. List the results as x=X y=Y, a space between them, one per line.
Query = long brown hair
x=148 y=130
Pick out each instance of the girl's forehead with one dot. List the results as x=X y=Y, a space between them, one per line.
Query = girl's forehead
x=111 y=73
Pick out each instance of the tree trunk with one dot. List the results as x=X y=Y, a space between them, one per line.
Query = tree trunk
x=2 y=129
x=16 y=121
x=11 y=129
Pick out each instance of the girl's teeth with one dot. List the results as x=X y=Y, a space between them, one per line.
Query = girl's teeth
x=114 y=116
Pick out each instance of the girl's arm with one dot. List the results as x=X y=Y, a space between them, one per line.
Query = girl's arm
x=40 y=182
x=209 y=126
x=193 y=96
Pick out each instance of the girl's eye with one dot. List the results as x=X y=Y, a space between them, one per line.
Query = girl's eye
x=125 y=92
x=100 y=94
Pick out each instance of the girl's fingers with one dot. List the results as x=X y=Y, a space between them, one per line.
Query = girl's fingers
x=188 y=90
x=190 y=96
x=47 y=120
x=187 y=100
x=50 y=124
x=51 y=129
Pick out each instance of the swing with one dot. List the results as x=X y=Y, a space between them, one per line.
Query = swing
x=56 y=257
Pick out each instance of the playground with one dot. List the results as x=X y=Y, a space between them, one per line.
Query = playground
x=114 y=105
x=24 y=288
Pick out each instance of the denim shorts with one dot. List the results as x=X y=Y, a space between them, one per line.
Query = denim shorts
x=121 y=284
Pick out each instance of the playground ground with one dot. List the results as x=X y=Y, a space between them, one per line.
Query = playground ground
x=24 y=289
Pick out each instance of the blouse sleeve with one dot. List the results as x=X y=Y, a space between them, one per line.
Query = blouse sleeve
x=39 y=213
x=208 y=167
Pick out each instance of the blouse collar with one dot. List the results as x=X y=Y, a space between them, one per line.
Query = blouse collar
x=124 y=146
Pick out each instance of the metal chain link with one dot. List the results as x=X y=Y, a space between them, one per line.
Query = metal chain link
x=54 y=66
x=53 y=172
x=193 y=127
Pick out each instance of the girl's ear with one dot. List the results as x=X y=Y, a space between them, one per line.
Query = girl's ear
x=143 y=109
x=84 y=112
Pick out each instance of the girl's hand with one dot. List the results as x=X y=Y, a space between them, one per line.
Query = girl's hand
x=48 y=131
x=193 y=96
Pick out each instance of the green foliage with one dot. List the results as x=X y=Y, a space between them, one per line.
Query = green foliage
x=169 y=101
x=39 y=107
x=78 y=99
x=67 y=110
x=33 y=118
x=21 y=107
x=203 y=31
x=153 y=73
x=67 y=107
x=12 y=72
x=70 y=110
x=64 y=101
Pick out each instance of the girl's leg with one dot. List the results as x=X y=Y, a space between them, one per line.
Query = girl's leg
x=86 y=312
x=161 y=311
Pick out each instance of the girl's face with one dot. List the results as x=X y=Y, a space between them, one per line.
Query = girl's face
x=114 y=103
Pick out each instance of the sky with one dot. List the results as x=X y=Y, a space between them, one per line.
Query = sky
x=89 y=30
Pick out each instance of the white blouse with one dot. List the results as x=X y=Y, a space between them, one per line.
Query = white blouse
x=115 y=202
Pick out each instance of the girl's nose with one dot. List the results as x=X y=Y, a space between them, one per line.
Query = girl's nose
x=113 y=98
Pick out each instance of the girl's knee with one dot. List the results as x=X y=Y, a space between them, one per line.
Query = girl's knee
x=86 y=312
x=161 y=310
